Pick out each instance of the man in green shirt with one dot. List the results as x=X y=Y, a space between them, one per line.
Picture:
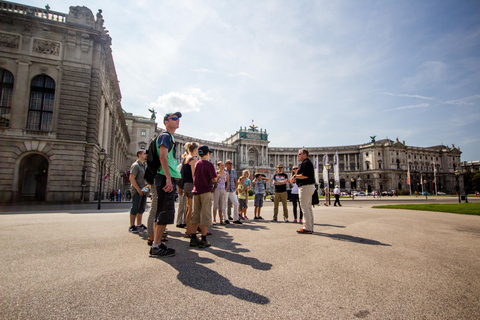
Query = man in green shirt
x=165 y=183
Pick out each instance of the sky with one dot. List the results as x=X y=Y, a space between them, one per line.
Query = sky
x=312 y=73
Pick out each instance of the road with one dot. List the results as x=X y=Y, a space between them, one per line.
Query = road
x=77 y=262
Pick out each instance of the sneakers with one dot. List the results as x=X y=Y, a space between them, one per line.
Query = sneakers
x=294 y=221
x=274 y=220
x=203 y=244
x=304 y=231
x=162 y=251
x=227 y=222
x=260 y=218
x=194 y=242
x=286 y=220
x=255 y=218
x=133 y=229
x=237 y=222
x=141 y=227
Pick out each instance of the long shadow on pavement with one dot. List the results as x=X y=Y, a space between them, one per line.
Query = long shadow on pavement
x=193 y=273
x=344 y=237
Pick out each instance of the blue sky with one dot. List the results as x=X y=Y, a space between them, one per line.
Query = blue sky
x=312 y=73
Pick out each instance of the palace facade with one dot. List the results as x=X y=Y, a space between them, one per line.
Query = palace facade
x=60 y=109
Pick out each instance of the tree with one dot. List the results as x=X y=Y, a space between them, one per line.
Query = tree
x=476 y=182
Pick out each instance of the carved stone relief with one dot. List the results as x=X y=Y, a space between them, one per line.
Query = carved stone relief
x=46 y=47
x=9 y=40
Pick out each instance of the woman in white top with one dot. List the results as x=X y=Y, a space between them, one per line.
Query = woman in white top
x=220 y=193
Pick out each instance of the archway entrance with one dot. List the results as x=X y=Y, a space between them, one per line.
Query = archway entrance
x=33 y=177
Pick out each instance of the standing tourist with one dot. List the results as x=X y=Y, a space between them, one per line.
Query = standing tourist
x=220 y=193
x=137 y=173
x=242 y=196
x=306 y=184
x=336 y=193
x=231 y=191
x=189 y=161
x=165 y=184
x=259 y=186
x=204 y=177
x=182 y=204
x=279 y=181
x=248 y=185
x=294 y=196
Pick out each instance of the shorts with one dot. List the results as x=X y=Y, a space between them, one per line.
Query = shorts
x=187 y=190
x=166 y=201
x=242 y=204
x=202 y=209
x=219 y=199
x=258 y=200
x=138 y=203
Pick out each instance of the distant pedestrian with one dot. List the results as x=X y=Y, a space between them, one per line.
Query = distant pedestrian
x=248 y=184
x=336 y=193
x=327 y=196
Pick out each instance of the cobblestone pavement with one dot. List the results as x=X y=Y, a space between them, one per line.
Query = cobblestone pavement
x=76 y=262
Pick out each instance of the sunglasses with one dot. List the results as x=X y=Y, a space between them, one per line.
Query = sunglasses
x=174 y=118
x=279 y=167
x=228 y=163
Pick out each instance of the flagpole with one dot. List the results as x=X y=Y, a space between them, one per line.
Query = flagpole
x=435 y=176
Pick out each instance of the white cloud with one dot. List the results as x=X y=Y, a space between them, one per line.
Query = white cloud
x=421 y=105
x=463 y=101
x=188 y=101
x=406 y=95
x=217 y=137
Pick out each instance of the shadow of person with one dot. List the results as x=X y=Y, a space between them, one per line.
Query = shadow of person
x=344 y=237
x=193 y=273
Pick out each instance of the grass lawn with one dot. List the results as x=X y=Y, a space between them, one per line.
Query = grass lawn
x=461 y=208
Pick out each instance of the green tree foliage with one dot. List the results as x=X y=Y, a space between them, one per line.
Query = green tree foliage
x=475 y=182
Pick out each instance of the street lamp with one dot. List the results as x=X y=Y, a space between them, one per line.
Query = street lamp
x=457 y=173
x=101 y=157
x=351 y=188
x=328 y=166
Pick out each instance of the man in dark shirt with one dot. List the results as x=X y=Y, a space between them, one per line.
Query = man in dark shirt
x=306 y=186
x=279 y=181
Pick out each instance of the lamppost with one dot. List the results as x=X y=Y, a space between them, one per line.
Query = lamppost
x=424 y=183
x=101 y=157
x=328 y=166
x=351 y=183
x=457 y=173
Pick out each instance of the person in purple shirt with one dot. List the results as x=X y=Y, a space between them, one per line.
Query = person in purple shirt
x=203 y=179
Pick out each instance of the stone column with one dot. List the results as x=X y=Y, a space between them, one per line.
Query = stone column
x=20 y=101
x=106 y=131
x=101 y=122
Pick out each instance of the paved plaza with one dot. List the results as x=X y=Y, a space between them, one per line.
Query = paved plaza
x=76 y=262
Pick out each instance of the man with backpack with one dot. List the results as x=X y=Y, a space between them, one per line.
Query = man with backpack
x=165 y=182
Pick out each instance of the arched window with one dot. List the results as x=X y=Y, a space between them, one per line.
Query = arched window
x=6 y=93
x=42 y=96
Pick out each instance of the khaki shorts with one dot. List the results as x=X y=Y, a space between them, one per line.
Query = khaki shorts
x=202 y=209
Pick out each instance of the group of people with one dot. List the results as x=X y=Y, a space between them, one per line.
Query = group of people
x=200 y=187
x=119 y=196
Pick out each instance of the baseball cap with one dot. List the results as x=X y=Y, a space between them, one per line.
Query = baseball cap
x=178 y=114
x=203 y=150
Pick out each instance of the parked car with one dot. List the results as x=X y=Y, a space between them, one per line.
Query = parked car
x=360 y=194
x=441 y=193
x=424 y=193
x=387 y=194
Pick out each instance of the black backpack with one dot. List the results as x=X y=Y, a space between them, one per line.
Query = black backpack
x=153 y=159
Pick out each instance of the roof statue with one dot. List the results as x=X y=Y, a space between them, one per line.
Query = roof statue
x=153 y=116
x=253 y=126
x=373 y=138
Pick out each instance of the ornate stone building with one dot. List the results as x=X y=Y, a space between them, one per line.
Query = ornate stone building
x=60 y=105
x=377 y=165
